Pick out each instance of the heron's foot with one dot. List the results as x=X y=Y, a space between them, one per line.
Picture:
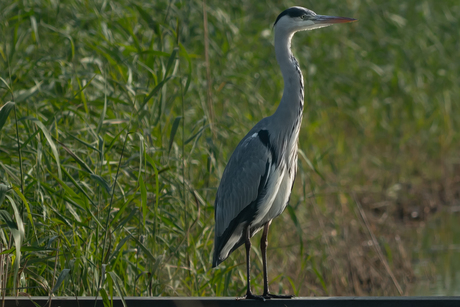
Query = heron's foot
x=268 y=296
x=250 y=296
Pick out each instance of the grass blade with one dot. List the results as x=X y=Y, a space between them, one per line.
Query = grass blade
x=3 y=190
x=173 y=132
x=50 y=142
x=4 y=112
x=29 y=212
x=18 y=236
x=101 y=181
x=101 y=119
x=153 y=92
x=143 y=200
x=26 y=94
x=79 y=161
x=62 y=276
x=171 y=61
x=115 y=279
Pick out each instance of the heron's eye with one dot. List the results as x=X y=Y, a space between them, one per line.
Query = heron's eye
x=303 y=16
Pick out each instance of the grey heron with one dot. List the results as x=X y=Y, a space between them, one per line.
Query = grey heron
x=257 y=182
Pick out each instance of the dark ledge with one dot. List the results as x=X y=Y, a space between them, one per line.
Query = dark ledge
x=68 y=301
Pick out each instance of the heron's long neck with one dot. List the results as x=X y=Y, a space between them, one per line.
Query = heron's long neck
x=291 y=105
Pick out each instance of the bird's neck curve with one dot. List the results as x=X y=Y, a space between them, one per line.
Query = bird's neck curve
x=291 y=105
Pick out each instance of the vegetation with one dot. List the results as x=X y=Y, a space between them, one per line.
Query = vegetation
x=118 y=118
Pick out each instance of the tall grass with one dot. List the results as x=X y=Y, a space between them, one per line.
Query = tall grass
x=110 y=151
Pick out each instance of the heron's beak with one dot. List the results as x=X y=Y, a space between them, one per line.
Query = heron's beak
x=327 y=20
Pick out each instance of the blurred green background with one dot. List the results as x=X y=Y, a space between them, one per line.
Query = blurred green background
x=119 y=116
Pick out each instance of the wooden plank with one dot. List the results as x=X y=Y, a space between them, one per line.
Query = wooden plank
x=439 y=301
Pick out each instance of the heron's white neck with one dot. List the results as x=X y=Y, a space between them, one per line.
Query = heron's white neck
x=291 y=105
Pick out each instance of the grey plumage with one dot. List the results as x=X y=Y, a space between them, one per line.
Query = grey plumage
x=256 y=184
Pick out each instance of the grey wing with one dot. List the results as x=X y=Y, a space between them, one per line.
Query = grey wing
x=242 y=183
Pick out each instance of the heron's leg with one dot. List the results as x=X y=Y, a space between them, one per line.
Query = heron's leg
x=263 y=248
x=247 y=238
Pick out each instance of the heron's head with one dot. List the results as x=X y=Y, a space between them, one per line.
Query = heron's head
x=298 y=18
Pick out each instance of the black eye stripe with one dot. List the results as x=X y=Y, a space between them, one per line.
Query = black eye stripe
x=295 y=12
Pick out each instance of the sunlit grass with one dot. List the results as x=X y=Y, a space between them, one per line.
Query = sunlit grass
x=121 y=154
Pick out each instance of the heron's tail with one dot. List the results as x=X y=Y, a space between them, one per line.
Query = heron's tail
x=215 y=260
